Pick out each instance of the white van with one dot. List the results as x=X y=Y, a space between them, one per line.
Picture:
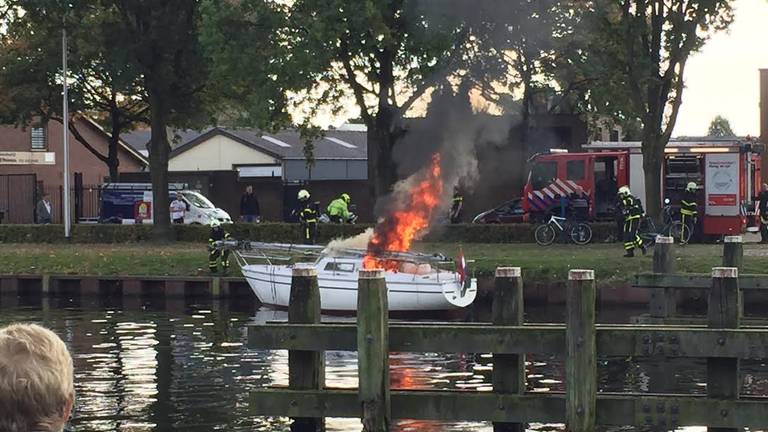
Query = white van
x=129 y=203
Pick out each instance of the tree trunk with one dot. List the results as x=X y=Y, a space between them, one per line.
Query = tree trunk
x=382 y=171
x=653 y=157
x=159 y=150
x=113 y=162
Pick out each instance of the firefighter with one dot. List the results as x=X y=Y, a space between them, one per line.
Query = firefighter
x=217 y=234
x=338 y=209
x=688 y=208
x=632 y=210
x=456 y=206
x=762 y=197
x=307 y=217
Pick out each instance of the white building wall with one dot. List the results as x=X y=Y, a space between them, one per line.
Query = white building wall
x=218 y=153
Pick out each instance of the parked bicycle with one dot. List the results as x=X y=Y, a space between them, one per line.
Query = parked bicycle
x=672 y=227
x=578 y=232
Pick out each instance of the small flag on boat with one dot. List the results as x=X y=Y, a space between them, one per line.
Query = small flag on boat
x=461 y=266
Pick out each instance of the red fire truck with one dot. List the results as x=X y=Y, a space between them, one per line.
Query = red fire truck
x=727 y=172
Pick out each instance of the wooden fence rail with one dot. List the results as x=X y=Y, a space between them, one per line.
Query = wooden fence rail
x=580 y=341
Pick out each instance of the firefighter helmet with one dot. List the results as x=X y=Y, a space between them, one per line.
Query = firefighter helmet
x=624 y=190
x=346 y=198
x=691 y=187
x=215 y=223
x=303 y=195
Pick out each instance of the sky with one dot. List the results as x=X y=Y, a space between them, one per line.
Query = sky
x=723 y=77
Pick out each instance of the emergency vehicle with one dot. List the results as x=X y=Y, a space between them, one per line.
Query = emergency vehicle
x=727 y=172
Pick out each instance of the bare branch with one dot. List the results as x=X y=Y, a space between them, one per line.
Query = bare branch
x=349 y=78
x=80 y=138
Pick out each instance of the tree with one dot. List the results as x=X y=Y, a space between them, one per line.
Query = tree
x=384 y=53
x=720 y=127
x=102 y=84
x=162 y=40
x=637 y=50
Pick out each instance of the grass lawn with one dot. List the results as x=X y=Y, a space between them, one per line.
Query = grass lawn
x=538 y=263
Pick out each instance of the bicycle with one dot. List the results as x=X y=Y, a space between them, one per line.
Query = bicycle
x=672 y=227
x=546 y=233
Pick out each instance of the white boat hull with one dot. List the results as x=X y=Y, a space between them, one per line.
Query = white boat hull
x=338 y=290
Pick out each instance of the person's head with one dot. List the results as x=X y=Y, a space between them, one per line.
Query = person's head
x=346 y=198
x=765 y=186
x=179 y=196
x=46 y=197
x=303 y=195
x=215 y=223
x=624 y=191
x=36 y=379
x=249 y=189
x=690 y=187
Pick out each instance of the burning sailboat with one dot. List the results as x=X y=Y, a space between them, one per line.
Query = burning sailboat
x=415 y=281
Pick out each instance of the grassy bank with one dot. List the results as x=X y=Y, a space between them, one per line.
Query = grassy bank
x=539 y=263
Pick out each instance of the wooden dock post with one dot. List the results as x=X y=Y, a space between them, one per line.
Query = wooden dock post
x=306 y=369
x=581 y=361
x=723 y=313
x=507 y=309
x=733 y=256
x=373 y=351
x=663 y=300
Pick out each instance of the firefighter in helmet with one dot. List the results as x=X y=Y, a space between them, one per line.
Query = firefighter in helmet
x=762 y=197
x=338 y=209
x=688 y=208
x=632 y=210
x=308 y=214
x=456 y=205
x=218 y=234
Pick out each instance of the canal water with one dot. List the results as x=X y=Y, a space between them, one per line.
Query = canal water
x=186 y=368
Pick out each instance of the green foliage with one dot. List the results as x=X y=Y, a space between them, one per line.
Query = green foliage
x=270 y=232
x=102 y=83
x=637 y=50
x=720 y=127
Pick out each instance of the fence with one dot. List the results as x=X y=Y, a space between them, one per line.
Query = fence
x=583 y=406
x=86 y=203
x=17 y=198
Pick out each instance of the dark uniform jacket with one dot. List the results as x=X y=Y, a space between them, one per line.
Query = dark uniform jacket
x=217 y=234
x=631 y=207
x=308 y=212
x=688 y=205
x=763 y=198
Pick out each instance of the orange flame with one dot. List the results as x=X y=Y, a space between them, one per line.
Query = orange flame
x=398 y=230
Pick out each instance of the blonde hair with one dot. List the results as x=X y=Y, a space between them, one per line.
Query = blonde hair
x=36 y=378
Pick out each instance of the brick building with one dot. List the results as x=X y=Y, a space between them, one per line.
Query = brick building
x=31 y=162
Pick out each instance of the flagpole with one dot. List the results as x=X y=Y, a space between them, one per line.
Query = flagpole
x=65 y=128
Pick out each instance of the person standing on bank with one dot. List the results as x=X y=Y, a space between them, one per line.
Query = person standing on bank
x=178 y=209
x=218 y=233
x=762 y=198
x=44 y=210
x=456 y=205
x=689 y=208
x=632 y=210
x=249 y=206
x=308 y=214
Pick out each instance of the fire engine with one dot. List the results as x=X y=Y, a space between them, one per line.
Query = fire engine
x=727 y=172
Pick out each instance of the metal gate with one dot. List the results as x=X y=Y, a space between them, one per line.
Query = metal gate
x=17 y=198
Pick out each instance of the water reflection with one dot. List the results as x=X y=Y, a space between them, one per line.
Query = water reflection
x=190 y=370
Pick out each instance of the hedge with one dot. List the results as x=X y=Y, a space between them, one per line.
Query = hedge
x=272 y=232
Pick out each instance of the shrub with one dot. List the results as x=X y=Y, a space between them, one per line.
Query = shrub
x=271 y=232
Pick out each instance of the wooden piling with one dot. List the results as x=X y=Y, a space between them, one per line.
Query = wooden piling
x=373 y=351
x=581 y=361
x=663 y=300
x=306 y=369
x=733 y=256
x=723 y=313
x=507 y=309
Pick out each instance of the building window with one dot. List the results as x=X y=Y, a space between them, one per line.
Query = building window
x=38 y=138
